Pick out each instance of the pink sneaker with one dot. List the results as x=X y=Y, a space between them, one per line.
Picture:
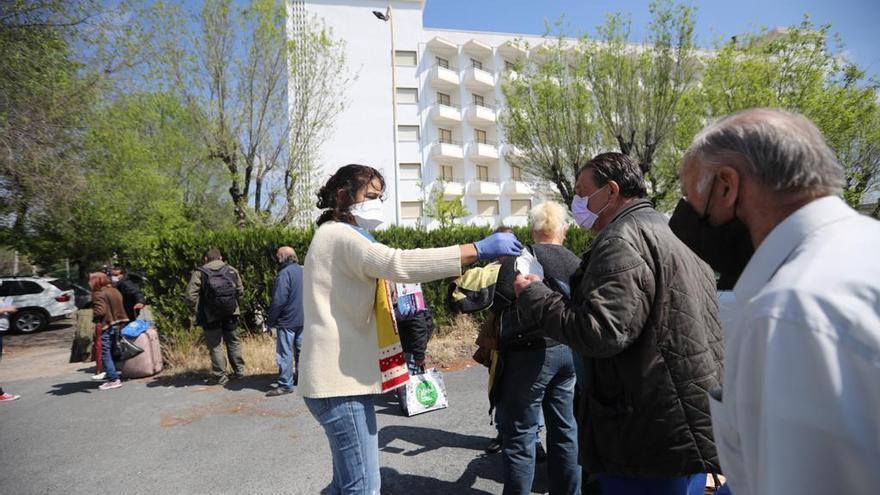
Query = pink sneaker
x=7 y=397
x=112 y=384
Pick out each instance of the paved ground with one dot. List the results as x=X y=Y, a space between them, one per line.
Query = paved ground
x=162 y=436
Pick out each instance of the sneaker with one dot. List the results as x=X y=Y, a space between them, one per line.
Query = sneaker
x=275 y=392
x=494 y=446
x=111 y=384
x=238 y=376
x=100 y=376
x=7 y=397
x=218 y=380
x=540 y=453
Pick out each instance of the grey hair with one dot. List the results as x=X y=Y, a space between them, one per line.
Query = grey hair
x=782 y=150
x=549 y=218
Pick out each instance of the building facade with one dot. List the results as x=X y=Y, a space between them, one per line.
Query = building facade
x=425 y=112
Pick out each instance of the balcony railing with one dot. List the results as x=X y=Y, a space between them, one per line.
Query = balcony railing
x=481 y=114
x=456 y=180
x=444 y=77
x=447 y=141
x=486 y=142
x=493 y=180
x=479 y=79
x=446 y=113
x=450 y=105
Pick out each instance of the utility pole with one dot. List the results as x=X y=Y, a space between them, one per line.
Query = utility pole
x=389 y=18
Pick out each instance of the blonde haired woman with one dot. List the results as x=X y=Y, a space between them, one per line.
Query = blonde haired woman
x=538 y=373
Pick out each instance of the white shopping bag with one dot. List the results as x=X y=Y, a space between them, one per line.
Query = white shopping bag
x=424 y=392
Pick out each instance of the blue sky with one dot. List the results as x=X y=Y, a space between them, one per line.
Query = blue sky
x=857 y=21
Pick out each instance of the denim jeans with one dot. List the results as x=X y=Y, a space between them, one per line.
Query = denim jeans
x=532 y=381
x=694 y=484
x=288 y=342
x=106 y=357
x=350 y=425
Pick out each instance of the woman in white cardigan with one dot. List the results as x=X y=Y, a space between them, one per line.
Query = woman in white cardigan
x=339 y=363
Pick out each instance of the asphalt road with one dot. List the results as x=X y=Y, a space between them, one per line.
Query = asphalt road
x=158 y=435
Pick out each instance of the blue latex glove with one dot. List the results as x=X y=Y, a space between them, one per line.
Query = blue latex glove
x=497 y=245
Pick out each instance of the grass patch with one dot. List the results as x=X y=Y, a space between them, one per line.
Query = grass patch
x=188 y=354
x=453 y=343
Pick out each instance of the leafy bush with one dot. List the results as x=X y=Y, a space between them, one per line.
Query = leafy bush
x=252 y=253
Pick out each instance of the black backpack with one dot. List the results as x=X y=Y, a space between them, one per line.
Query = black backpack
x=219 y=290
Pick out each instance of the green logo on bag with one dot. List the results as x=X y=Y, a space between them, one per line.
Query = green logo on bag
x=426 y=393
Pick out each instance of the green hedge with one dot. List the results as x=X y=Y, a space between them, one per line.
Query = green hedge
x=252 y=253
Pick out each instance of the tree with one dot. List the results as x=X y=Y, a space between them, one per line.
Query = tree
x=637 y=89
x=138 y=182
x=234 y=68
x=59 y=57
x=797 y=69
x=444 y=210
x=549 y=119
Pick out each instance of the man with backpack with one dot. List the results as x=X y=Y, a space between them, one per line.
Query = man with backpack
x=214 y=293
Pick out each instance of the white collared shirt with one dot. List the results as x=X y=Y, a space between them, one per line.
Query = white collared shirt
x=801 y=395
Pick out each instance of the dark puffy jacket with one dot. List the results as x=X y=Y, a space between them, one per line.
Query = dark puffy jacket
x=131 y=295
x=644 y=315
x=286 y=310
x=415 y=332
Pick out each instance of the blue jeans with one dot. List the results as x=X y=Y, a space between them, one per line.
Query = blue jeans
x=350 y=425
x=694 y=484
x=288 y=343
x=106 y=357
x=532 y=381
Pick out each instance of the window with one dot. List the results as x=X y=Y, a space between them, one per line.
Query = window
x=445 y=136
x=487 y=208
x=410 y=171
x=19 y=288
x=443 y=99
x=404 y=58
x=476 y=63
x=515 y=172
x=479 y=100
x=520 y=207
x=509 y=66
x=483 y=173
x=446 y=173
x=442 y=62
x=407 y=95
x=411 y=209
x=407 y=133
x=480 y=136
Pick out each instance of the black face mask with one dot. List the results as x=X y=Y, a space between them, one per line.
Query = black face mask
x=727 y=248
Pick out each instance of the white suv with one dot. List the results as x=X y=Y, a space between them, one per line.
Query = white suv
x=38 y=301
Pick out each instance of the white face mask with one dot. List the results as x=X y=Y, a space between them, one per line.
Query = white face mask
x=115 y=279
x=583 y=216
x=368 y=214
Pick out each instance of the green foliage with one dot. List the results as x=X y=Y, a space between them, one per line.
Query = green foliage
x=445 y=211
x=252 y=251
x=796 y=69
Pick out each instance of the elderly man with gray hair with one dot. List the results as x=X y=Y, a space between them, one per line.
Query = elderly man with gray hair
x=286 y=317
x=800 y=410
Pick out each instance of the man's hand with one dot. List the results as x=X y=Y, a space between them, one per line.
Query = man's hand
x=8 y=309
x=138 y=306
x=521 y=282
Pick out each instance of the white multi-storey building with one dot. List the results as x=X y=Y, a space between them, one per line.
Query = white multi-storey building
x=426 y=111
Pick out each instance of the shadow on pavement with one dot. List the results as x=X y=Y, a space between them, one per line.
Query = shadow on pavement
x=260 y=383
x=427 y=439
x=388 y=404
x=61 y=389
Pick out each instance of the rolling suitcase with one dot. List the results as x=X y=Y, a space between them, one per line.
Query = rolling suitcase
x=147 y=363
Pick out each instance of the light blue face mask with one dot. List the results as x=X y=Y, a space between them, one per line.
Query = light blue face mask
x=583 y=216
